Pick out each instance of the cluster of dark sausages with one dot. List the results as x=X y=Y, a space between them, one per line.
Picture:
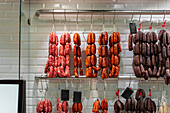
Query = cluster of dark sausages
x=151 y=57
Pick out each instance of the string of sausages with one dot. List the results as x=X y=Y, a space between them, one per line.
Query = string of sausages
x=44 y=106
x=51 y=65
x=77 y=107
x=164 y=51
x=62 y=107
x=64 y=58
x=103 y=106
x=77 y=55
x=114 y=57
x=103 y=54
x=150 y=59
x=91 y=70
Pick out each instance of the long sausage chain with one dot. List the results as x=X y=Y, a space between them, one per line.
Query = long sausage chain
x=114 y=57
x=77 y=55
x=151 y=59
x=44 y=106
x=58 y=65
x=51 y=65
x=103 y=54
x=91 y=60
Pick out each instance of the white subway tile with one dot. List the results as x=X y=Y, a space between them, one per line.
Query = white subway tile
x=5 y=53
x=69 y=6
x=5 y=6
x=5 y=68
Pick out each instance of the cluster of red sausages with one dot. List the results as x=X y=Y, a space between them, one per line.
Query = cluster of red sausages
x=77 y=55
x=114 y=57
x=51 y=66
x=44 y=106
x=97 y=107
x=103 y=54
x=151 y=59
x=62 y=107
x=64 y=55
x=77 y=108
x=58 y=65
x=91 y=60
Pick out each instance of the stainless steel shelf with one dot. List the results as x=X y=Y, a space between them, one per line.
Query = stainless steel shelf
x=105 y=12
x=99 y=78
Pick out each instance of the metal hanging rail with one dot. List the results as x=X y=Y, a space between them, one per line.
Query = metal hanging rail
x=106 y=12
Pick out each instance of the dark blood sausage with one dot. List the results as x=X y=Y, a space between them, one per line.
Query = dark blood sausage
x=164 y=55
x=155 y=46
x=137 y=71
x=154 y=37
x=150 y=72
x=154 y=71
x=167 y=63
x=144 y=49
x=142 y=69
x=151 y=37
x=163 y=71
x=168 y=40
x=144 y=37
x=159 y=72
x=153 y=61
x=143 y=60
x=148 y=49
x=148 y=38
x=136 y=60
x=152 y=49
x=149 y=62
x=168 y=50
x=130 y=45
x=164 y=38
x=160 y=57
x=136 y=48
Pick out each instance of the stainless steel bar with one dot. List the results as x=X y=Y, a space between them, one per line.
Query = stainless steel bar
x=106 y=12
x=99 y=78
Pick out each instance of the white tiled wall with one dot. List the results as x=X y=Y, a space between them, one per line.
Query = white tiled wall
x=35 y=46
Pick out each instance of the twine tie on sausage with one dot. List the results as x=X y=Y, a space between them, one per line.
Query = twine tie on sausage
x=163 y=25
x=149 y=92
x=117 y=94
x=150 y=27
x=139 y=26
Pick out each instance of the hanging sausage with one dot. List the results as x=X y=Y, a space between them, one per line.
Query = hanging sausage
x=96 y=106
x=64 y=58
x=114 y=54
x=103 y=55
x=44 y=106
x=91 y=60
x=164 y=55
x=51 y=67
x=140 y=95
x=77 y=55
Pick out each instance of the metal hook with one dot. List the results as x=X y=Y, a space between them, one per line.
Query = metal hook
x=91 y=21
x=151 y=16
x=77 y=19
x=65 y=20
x=114 y=17
x=103 y=20
x=140 y=15
x=65 y=16
x=132 y=17
x=164 y=15
x=77 y=16
x=130 y=81
x=53 y=21
x=41 y=86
